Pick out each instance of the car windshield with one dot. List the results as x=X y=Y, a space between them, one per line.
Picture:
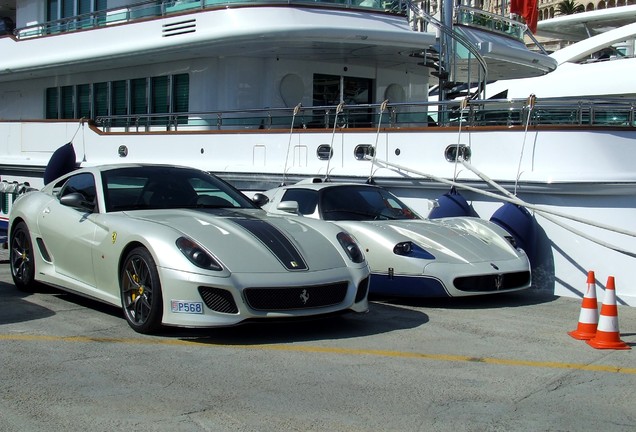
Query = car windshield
x=362 y=203
x=164 y=187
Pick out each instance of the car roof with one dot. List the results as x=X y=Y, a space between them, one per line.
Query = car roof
x=109 y=167
x=318 y=184
x=97 y=169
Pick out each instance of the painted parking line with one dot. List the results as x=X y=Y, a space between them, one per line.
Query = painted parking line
x=328 y=350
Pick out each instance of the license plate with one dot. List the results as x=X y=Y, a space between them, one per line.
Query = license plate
x=187 y=307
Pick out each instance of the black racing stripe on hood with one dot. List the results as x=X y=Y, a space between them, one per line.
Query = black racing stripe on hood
x=275 y=241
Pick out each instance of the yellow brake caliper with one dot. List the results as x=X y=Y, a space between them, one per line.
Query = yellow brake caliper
x=139 y=291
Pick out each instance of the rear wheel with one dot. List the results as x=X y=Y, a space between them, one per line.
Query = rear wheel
x=21 y=258
x=141 y=291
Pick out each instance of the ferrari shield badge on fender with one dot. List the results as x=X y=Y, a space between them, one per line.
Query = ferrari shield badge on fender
x=113 y=237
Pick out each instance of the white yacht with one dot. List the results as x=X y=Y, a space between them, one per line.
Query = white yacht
x=265 y=92
x=599 y=63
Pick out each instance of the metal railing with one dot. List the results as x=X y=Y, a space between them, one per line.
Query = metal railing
x=481 y=19
x=151 y=9
x=501 y=112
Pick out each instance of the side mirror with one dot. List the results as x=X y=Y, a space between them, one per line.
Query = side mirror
x=288 y=207
x=77 y=201
x=260 y=199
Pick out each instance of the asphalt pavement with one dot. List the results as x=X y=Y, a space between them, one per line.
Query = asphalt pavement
x=496 y=363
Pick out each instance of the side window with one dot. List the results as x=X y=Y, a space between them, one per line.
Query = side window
x=307 y=200
x=83 y=183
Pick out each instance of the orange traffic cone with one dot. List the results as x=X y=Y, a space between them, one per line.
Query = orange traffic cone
x=607 y=334
x=588 y=318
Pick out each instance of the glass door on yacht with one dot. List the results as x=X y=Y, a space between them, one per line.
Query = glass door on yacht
x=330 y=90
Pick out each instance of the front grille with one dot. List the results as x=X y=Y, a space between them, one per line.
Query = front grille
x=219 y=300
x=289 y=298
x=493 y=282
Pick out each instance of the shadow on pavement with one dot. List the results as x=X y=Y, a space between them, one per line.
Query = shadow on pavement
x=381 y=318
x=14 y=309
x=490 y=301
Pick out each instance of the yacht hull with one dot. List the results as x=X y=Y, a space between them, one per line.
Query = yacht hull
x=576 y=182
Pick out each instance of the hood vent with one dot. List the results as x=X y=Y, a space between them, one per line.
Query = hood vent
x=179 y=28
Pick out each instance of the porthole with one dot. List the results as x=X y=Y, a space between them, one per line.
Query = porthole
x=324 y=152
x=363 y=150
x=452 y=151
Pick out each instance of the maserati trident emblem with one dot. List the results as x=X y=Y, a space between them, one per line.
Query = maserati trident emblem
x=304 y=296
x=498 y=281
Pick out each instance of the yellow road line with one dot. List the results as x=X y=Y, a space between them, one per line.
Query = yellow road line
x=328 y=350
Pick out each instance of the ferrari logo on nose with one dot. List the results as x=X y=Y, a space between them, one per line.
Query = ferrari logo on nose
x=304 y=296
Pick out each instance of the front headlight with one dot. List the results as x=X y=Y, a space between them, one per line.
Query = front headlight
x=197 y=255
x=412 y=250
x=350 y=247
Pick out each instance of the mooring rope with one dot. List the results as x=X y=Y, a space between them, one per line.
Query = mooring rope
x=81 y=125
x=530 y=104
x=339 y=109
x=377 y=136
x=462 y=107
x=547 y=215
x=291 y=133
x=512 y=199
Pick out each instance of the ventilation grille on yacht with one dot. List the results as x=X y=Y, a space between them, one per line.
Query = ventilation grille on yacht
x=180 y=27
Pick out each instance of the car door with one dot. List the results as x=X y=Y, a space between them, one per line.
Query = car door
x=69 y=233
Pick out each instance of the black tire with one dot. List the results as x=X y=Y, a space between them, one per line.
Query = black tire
x=141 y=291
x=21 y=258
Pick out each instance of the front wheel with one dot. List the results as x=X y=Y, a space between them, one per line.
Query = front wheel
x=141 y=291
x=21 y=258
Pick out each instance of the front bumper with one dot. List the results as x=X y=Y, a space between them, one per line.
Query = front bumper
x=225 y=301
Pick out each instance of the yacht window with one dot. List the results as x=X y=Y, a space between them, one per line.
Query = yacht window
x=52 y=99
x=138 y=96
x=83 y=101
x=57 y=9
x=165 y=94
x=66 y=102
x=100 y=99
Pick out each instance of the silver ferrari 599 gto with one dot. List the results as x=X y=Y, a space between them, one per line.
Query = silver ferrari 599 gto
x=178 y=246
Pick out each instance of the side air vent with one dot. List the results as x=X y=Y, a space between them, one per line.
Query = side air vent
x=43 y=251
x=179 y=28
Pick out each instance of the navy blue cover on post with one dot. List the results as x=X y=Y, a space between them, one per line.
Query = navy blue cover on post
x=520 y=224
x=62 y=162
x=451 y=204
